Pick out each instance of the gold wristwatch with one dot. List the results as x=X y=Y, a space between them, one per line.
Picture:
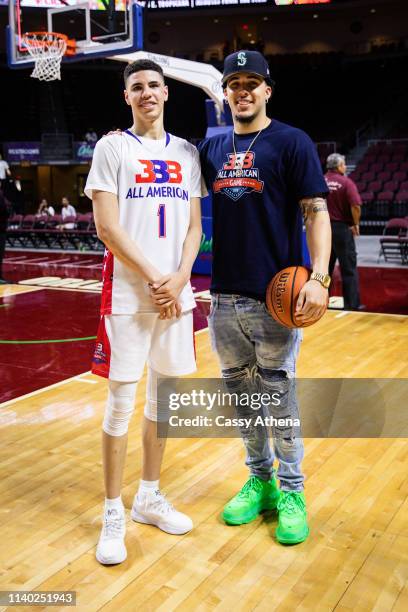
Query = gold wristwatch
x=324 y=279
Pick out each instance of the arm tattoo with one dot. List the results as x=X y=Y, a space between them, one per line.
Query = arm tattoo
x=312 y=206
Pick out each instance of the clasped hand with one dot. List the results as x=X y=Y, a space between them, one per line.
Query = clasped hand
x=165 y=293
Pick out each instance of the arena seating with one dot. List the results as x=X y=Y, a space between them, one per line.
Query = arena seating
x=381 y=177
x=32 y=231
x=394 y=243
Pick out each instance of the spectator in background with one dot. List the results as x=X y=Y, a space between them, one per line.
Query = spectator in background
x=67 y=210
x=4 y=170
x=344 y=205
x=4 y=214
x=91 y=136
x=45 y=209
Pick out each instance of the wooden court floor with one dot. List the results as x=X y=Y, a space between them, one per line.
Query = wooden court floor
x=356 y=557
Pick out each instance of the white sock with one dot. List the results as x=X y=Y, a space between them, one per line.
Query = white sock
x=146 y=487
x=115 y=503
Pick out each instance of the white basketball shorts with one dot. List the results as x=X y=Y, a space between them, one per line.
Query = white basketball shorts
x=126 y=342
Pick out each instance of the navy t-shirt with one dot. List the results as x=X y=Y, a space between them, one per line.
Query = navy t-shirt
x=257 y=220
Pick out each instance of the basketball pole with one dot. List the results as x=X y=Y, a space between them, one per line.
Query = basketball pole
x=111 y=10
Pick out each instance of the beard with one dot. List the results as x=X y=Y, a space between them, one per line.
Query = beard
x=246 y=119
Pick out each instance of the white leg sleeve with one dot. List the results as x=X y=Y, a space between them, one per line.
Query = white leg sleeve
x=152 y=411
x=119 y=408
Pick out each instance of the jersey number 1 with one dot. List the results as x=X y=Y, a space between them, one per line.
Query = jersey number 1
x=161 y=213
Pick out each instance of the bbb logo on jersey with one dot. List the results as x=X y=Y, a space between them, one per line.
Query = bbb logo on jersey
x=238 y=176
x=159 y=171
x=158 y=178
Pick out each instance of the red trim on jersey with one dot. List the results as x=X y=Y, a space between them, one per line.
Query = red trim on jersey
x=102 y=354
x=107 y=283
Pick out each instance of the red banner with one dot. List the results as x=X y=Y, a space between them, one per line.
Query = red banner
x=238 y=182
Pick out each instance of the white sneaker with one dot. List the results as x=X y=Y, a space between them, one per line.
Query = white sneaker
x=154 y=509
x=111 y=547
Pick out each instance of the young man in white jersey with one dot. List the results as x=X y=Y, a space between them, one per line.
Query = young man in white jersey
x=145 y=187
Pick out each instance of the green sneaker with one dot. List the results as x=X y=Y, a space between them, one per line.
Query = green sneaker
x=256 y=495
x=292 y=525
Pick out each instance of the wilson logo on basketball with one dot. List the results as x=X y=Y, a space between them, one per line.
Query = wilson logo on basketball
x=280 y=289
x=238 y=176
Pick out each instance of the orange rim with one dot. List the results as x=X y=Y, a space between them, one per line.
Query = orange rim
x=29 y=37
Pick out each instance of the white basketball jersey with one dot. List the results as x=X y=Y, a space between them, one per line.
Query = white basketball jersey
x=154 y=181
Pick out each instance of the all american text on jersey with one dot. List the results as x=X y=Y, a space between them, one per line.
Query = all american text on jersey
x=158 y=171
x=157 y=192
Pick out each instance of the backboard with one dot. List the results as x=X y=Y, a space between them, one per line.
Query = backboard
x=95 y=28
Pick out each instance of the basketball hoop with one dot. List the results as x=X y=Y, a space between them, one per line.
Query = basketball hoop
x=47 y=50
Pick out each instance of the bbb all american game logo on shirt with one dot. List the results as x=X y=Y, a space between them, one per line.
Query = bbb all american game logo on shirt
x=238 y=176
x=165 y=174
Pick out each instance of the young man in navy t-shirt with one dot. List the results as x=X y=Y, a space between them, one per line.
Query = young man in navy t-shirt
x=263 y=174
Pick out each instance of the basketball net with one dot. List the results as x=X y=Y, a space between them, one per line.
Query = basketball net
x=47 y=50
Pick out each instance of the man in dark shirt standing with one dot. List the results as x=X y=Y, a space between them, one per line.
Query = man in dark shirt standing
x=344 y=204
x=263 y=174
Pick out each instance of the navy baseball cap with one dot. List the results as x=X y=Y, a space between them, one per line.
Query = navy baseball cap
x=246 y=61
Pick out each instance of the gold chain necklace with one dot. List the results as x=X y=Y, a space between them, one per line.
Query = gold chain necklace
x=238 y=163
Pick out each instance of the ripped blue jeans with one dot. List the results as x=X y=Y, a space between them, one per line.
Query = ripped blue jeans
x=256 y=352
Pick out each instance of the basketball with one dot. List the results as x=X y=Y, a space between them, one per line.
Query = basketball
x=282 y=295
